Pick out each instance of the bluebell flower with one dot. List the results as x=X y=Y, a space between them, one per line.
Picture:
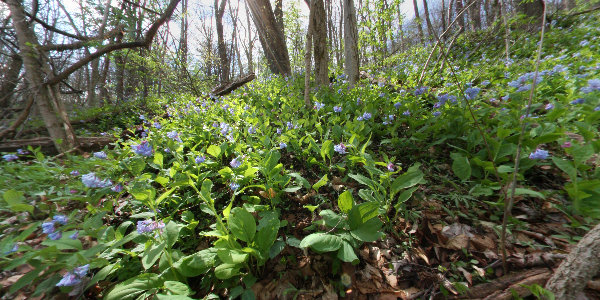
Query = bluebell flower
x=381 y=95
x=340 y=148
x=157 y=125
x=549 y=106
x=234 y=186
x=421 y=90
x=584 y=43
x=117 y=188
x=318 y=106
x=359 y=118
x=438 y=105
x=358 y=101
x=82 y=270
x=14 y=249
x=55 y=235
x=147 y=226
x=48 y=227
x=235 y=163
x=69 y=279
x=472 y=92
x=539 y=154
x=437 y=113
x=60 y=219
x=278 y=130
x=289 y=125
x=174 y=135
x=282 y=145
x=90 y=180
x=22 y=152
x=366 y=116
x=485 y=82
x=337 y=108
x=505 y=97
x=593 y=85
x=251 y=130
x=143 y=149
x=597 y=108
x=397 y=105
x=578 y=101
x=406 y=113
x=100 y=155
x=199 y=159
x=74 y=236
x=74 y=173
x=10 y=157
x=524 y=88
x=391 y=167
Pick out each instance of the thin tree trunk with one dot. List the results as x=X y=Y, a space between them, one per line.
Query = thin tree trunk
x=418 y=21
x=443 y=13
x=351 y=63
x=307 y=57
x=250 y=42
x=430 y=31
x=475 y=14
x=183 y=34
x=461 y=18
x=10 y=79
x=92 y=96
x=321 y=54
x=223 y=59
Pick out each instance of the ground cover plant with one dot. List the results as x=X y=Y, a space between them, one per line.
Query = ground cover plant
x=394 y=187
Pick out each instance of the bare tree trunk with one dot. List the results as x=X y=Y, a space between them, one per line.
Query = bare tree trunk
x=92 y=96
x=450 y=10
x=578 y=268
x=119 y=73
x=278 y=13
x=461 y=18
x=475 y=14
x=321 y=53
x=10 y=79
x=430 y=30
x=183 y=34
x=271 y=36
x=250 y=41
x=351 y=65
x=418 y=21
x=223 y=59
x=37 y=68
x=443 y=14
x=533 y=9
x=496 y=12
x=307 y=57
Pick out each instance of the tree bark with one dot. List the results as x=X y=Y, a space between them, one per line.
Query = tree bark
x=308 y=56
x=418 y=21
x=92 y=96
x=10 y=79
x=37 y=67
x=270 y=36
x=532 y=9
x=461 y=18
x=475 y=14
x=430 y=30
x=351 y=63
x=581 y=265
x=223 y=59
x=183 y=34
x=321 y=54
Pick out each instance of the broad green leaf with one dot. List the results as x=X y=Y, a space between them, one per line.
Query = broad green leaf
x=346 y=253
x=364 y=180
x=226 y=271
x=368 y=231
x=214 y=151
x=407 y=180
x=326 y=149
x=461 y=167
x=152 y=254
x=332 y=219
x=360 y=214
x=404 y=196
x=164 y=196
x=302 y=180
x=158 y=159
x=13 y=197
x=242 y=224
x=197 y=263
x=268 y=229
x=566 y=166
x=345 y=201
x=582 y=153
x=323 y=181
x=322 y=242
x=205 y=191
x=172 y=297
x=232 y=256
x=177 y=288
x=131 y=288
x=528 y=192
x=172 y=230
x=64 y=243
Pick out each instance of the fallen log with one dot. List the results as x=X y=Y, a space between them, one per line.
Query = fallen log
x=47 y=146
x=500 y=288
x=229 y=87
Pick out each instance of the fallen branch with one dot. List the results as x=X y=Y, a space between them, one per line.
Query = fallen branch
x=229 y=87
x=499 y=288
x=85 y=143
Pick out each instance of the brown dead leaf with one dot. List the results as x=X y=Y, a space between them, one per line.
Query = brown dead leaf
x=479 y=271
x=467 y=275
x=482 y=243
x=10 y=280
x=420 y=253
x=458 y=242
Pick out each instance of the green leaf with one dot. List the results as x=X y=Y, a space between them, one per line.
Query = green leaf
x=172 y=233
x=528 y=192
x=13 y=197
x=346 y=253
x=242 y=224
x=405 y=196
x=205 y=191
x=197 y=263
x=407 y=180
x=172 y=297
x=364 y=180
x=566 y=166
x=226 y=271
x=232 y=256
x=326 y=149
x=214 y=151
x=461 y=166
x=158 y=159
x=345 y=201
x=582 y=153
x=177 y=288
x=152 y=254
x=164 y=195
x=322 y=242
x=302 y=180
x=368 y=231
x=320 y=183
x=268 y=229
x=131 y=288
x=64 y=243
x=360 y=214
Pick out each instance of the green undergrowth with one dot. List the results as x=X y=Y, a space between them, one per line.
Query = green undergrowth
x=195 y=202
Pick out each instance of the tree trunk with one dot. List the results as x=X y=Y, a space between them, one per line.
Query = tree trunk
x=37 y=67
x=569 y=4
x=418 y=21
x=271 y=36
x=461 y=18
x=430 y=30
x=10 y=79
x=581 y=265
x=450 y=10
x=183 y=35
x=496 y=12
x=250 y=41
x=307 y=57
x=223 y=59
x=532 y=9
x=278 y=13
x=475 y=14
x=321 y=53
x=443 y=14
x=351 y=63
x=92 y=96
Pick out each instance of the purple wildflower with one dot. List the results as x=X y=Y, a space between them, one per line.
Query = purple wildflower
x=234 y=186
x=90 y=180
x=143 y=149
x=117 y=188
x=74 y=236
x=199 y=159
x=337 y=108
x=74 y=173
x=10 y=157
x=48 y=227
x=340 y=148
x=539 y=154
x=174 y=135
x=60 y=219
x=55 y=235
x=100 y=155
x=235 y=163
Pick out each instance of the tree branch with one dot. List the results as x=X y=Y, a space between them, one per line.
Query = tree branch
x=81 y=43
x=146 y=42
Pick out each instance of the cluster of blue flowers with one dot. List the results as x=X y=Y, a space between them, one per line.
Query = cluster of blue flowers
x=100 y=155
x=421 y=90
x=9 y=157
x=147 y=226
x=74 y=277
x=318 y=106
x=236 y=162
x=50 y=228
x=234 y=186
x=340 y=148
x=593 y=85
x=521 y=84
x=472 y=92
x=251 y=130
x=388 y=119
x=282 y=145
x=199 y=159
x=143 y=149
x=337 y=108
x=92 y=181
x=366 y=116
x=174 y=135
x=538 y=154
